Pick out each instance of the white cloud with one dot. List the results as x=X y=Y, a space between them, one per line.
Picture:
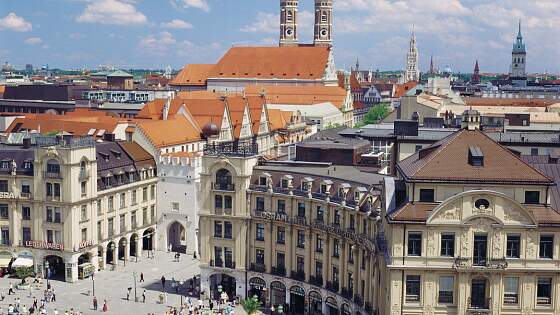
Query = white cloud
x=158 y=44
x=15 y=23
x=177 y=24
x=116 y=12
x=268 y=23
x=34 y=41
x=197 y=4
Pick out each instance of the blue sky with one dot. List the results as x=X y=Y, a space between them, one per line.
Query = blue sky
x=157 y=33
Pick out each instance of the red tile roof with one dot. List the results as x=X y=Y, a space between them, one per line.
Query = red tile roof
x=193 y=74
x=299 y=95
x=175 y=131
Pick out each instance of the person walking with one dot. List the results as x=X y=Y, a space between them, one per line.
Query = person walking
x=128 y=293
x=162 y=283
x=94 y=303
x=105 y=306
x=144 y=296
x=141 y=277
x=53 y=293
x=11 y=290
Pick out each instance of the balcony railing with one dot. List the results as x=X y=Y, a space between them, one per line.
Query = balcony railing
x=230 y=264
x=467 y=263
x=234 y=149
x=216 y=263
x=258 y=267
x=316 y=280
x=25 y=195
x=279 y=271
x=52 y=175
x=479 y=308
x=224 y=186
x=298 y=275
x=333 y=286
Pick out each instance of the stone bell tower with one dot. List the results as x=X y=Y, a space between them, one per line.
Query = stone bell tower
x=288 y=22
x=323 y=22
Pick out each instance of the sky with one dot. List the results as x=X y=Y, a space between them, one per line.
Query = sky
x=77 y=34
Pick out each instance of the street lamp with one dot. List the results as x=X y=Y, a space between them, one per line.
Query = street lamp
x=113 y=254
x=93 y=282
x=179 y=291
x=136 y=246
x=47 y=271
x=124 y=254
x=280 y=309
x=272 y=309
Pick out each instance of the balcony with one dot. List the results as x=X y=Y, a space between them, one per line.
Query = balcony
x=52 y=175
x=230 y=264
x=333 y=286
x=346 y=293
x=24 y=195
x=279 y=271
x=298 y=275
x=489 y=264
x=231 y=149
x=84 y=175
x=223 y=186
x=316 y=280
x=216 y=263
x=258 y=267
x=479 y=308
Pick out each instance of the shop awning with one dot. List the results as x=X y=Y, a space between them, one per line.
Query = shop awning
x=22 y=262
x=5 y=262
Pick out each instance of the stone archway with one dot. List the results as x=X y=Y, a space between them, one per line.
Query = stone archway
x=176 y=237
x=148 y=238
x=133 y=245
x=123 y=242
x=54 y=267
x=109 y=255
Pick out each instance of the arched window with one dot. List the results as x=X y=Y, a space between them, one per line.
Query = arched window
x=324 y=17
x=289 y=16
x=224 y=180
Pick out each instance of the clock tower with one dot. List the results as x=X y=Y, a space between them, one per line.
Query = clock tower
x=323 y=22
x=288 y=22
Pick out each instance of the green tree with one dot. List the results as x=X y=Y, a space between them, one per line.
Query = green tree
x=251 y=305
x=375 y=114
x=23 y=272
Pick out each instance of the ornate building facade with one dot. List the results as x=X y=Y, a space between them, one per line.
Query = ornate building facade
x=473 y=232
x=300 y=237
x=323 y=23
x=412 y=73
x=518 y=73
x=288 y=22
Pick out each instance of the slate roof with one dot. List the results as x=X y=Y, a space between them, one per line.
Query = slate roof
x=448 y=161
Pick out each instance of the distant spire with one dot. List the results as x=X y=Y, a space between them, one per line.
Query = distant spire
x=432 y=70
x=476 y=66
x=519 y=32
x=357 y=65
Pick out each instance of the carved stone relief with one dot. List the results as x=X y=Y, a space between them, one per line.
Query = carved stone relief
x=431 y=242
x=512 y=214
x=497 y=244
x=532 y=240
x=481 y=225
x=450 y=214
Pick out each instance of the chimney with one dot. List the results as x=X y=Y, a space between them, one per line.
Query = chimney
x=166 y=108
x=27 y=143
x=109 y=137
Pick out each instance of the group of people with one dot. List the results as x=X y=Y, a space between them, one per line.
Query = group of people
x=221 y=307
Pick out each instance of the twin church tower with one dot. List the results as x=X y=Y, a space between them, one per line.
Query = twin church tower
x=289 y=22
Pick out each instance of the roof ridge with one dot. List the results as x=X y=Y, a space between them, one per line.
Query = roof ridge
x=515 y=156
x=439 y=150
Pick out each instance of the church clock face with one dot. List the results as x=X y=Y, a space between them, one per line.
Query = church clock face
x=324 y=32
x=289 y=32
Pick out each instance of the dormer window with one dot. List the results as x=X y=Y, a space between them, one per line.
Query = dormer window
x=27 y=165
x=476 y=157
x=262 y=181
x=427 y=195
x=53 y=167
x=5 y=164
x=323 y=188
x=284 y=183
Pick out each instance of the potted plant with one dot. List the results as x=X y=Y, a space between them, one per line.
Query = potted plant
x=251 y=305
x=22 y=273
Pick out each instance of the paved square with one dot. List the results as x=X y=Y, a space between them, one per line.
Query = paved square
x=112 y=286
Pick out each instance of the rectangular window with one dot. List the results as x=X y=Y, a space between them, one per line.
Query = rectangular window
x=319 y=245
x=352 y=222
x=414 y=244
x=145 y=194
x=446 y=285
x=228 y=230
x=335 y=277
x=532 y=197
x=99 y=207
x=83 y=188
x=546 y=246
x=152 y=213
x=218 y=229
x=336 y=217
x=25 y=188
x=301 y=209
x=26 y=212
x=320 y=214
x=351 y=255
x=134 y=197
x=122 y=223
x=133 y=222
x=218 y=256
x=99 y=230
x=300 y=239
x=123 y=200
x=50 y=236
x=259 y=256
x=110 y=204
x=280 y=260
x=427 y=195
x=144 y=216
x=318 y=269
x=260 y=232
x=110 y=227
x=227 y=202
x=83 y=213
x=513 y=246
x=3 y=186
x=260 y=203
x=281 y=207
x=262 y=181
x=218 y=202
x=175 y=206
x=534 y=151
x=336 y=248
x=84 y=234
x=26 y=234
x=412 y=288
x=511 y=290
x=448 y=245
x=281 y=235
x=300 y=264
x=153 y=192
x=544 y=291
x=56 y=187
x=284 y=183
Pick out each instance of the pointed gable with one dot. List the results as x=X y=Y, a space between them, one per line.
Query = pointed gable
x=469 y=156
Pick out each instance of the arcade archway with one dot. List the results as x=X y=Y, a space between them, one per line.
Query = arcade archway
x=54 y=267
x=176 y=237
x=220 y=283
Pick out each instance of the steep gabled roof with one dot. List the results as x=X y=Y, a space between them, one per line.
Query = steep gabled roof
x=154 y=109
x=298 y=62
x=193 y=74
x=299 y=95
x=448 y=161
x=175 y=131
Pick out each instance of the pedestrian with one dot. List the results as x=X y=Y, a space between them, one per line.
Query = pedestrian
x=53 y=293
x=144 y=296
x=141 y=277
x=105 y=307
x=211 y=304
x=2 y=295
x=95 y=303
x=11 y=290
x=34 y=302
x=169 y=248
x=128 y=293
x=55 y=311
x=162 y=282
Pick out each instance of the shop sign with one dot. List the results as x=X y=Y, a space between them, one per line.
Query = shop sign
x=331 y=229
x=7 y=195
x=85 y=244
x=44 y=245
